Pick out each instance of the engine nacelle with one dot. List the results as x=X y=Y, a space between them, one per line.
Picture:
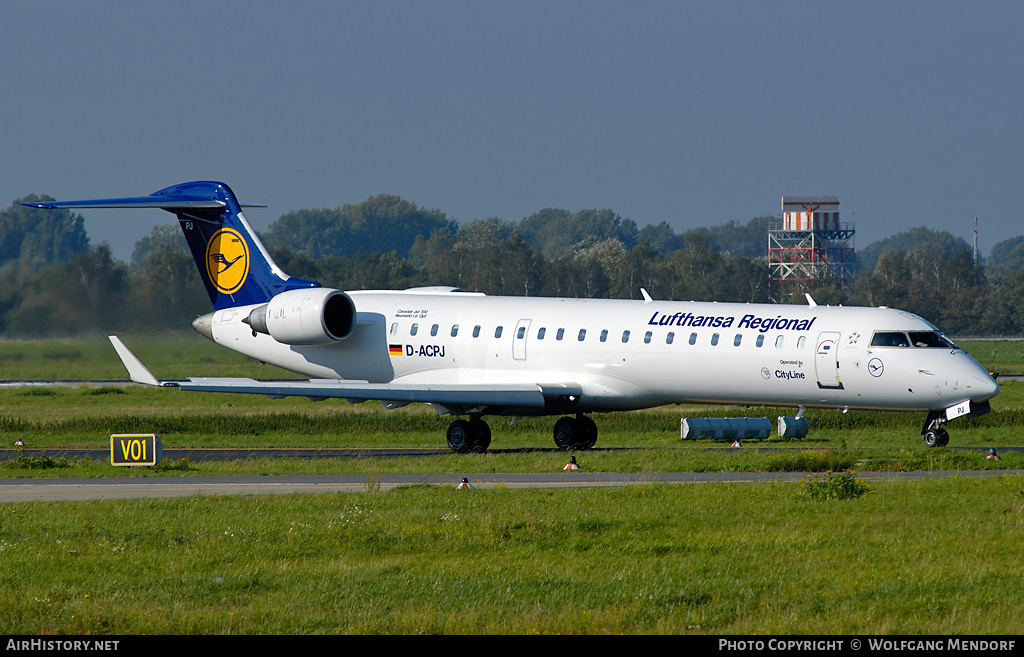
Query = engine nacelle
x=308 y=316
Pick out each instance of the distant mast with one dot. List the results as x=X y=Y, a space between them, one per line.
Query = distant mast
x=975 y=254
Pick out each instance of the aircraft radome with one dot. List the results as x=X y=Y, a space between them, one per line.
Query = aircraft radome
x=472 y=355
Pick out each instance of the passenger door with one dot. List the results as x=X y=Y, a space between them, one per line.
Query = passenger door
x=826 y=360
x=519 y=338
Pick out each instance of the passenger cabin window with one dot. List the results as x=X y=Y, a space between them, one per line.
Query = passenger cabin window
x=647 y=337
x=476 y=331
x=455 y=330
x=394 y=329
x=521 y=333
x=890 y=339
x=540 y=333
x=559 y=334
x=714 y=340
x=497 y=332
x=583 y=335
x=778 y=342
x=433 y=330
x=800 y=342
x=604 y=335
x=760 y=341
x=736 y=341
x=693 y=338
x=414 y=329
x=670 y=337
x=625 y=337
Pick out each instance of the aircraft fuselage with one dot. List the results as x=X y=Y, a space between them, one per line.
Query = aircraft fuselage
x=634 y=354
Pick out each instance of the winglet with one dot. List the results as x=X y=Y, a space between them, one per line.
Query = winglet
x=810 y=301
x=136 y=370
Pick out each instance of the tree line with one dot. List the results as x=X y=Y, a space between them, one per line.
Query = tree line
x=55 y=283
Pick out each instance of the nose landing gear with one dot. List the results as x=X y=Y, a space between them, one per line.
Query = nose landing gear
x=933 y=433
x=936 y=437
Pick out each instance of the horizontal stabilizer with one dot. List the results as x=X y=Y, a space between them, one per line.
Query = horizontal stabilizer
x=161 y=202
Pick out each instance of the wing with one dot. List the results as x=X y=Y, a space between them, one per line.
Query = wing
x=516 y=398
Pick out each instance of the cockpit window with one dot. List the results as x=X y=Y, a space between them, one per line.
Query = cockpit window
x=890 y=339
x=929 y=339
x=926 y=339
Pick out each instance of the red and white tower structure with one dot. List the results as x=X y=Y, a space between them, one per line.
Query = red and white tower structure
x=808 y=245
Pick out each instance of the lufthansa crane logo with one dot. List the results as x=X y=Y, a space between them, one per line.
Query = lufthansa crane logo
x=227 y=260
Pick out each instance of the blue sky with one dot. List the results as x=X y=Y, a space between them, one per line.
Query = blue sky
x=691 y=113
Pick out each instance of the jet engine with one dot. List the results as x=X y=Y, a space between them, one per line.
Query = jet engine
x=308 y=316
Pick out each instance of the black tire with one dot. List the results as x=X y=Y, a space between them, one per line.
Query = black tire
x=481 y=434
x=460 y=437
x=588 y=429
x=567 y=432
x=943 y=437
x=931 y=438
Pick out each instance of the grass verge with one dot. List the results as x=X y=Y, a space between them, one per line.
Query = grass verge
x=906 y=558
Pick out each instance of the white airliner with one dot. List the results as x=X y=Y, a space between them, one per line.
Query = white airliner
x=472 y=355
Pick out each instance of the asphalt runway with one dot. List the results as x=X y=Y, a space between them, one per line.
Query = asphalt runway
x=229 y=454
x=50 y=489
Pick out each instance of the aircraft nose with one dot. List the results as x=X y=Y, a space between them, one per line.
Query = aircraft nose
x=980 y=384
x=983 y=387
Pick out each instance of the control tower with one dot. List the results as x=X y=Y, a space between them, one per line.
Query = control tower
x=809 y=244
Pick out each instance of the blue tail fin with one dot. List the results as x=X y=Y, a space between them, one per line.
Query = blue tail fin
x=233 y=263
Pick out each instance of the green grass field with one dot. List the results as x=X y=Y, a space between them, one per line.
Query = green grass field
x=904 y=558
x=175 y=355
x=931 y=557
x=1002 y=356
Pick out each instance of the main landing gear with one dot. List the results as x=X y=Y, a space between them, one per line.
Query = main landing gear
x=575 y=433
x=473 y=435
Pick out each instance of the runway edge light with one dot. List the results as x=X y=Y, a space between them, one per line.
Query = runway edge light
x=128 y=449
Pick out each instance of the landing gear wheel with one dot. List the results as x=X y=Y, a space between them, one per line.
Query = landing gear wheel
x=936 y=437
x=566 y=432
x=575 y=433
x=589 y=431
x=471 y=435
x=460 y=437
x=481 y=434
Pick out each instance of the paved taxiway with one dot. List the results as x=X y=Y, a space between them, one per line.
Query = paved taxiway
x=21 y=490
